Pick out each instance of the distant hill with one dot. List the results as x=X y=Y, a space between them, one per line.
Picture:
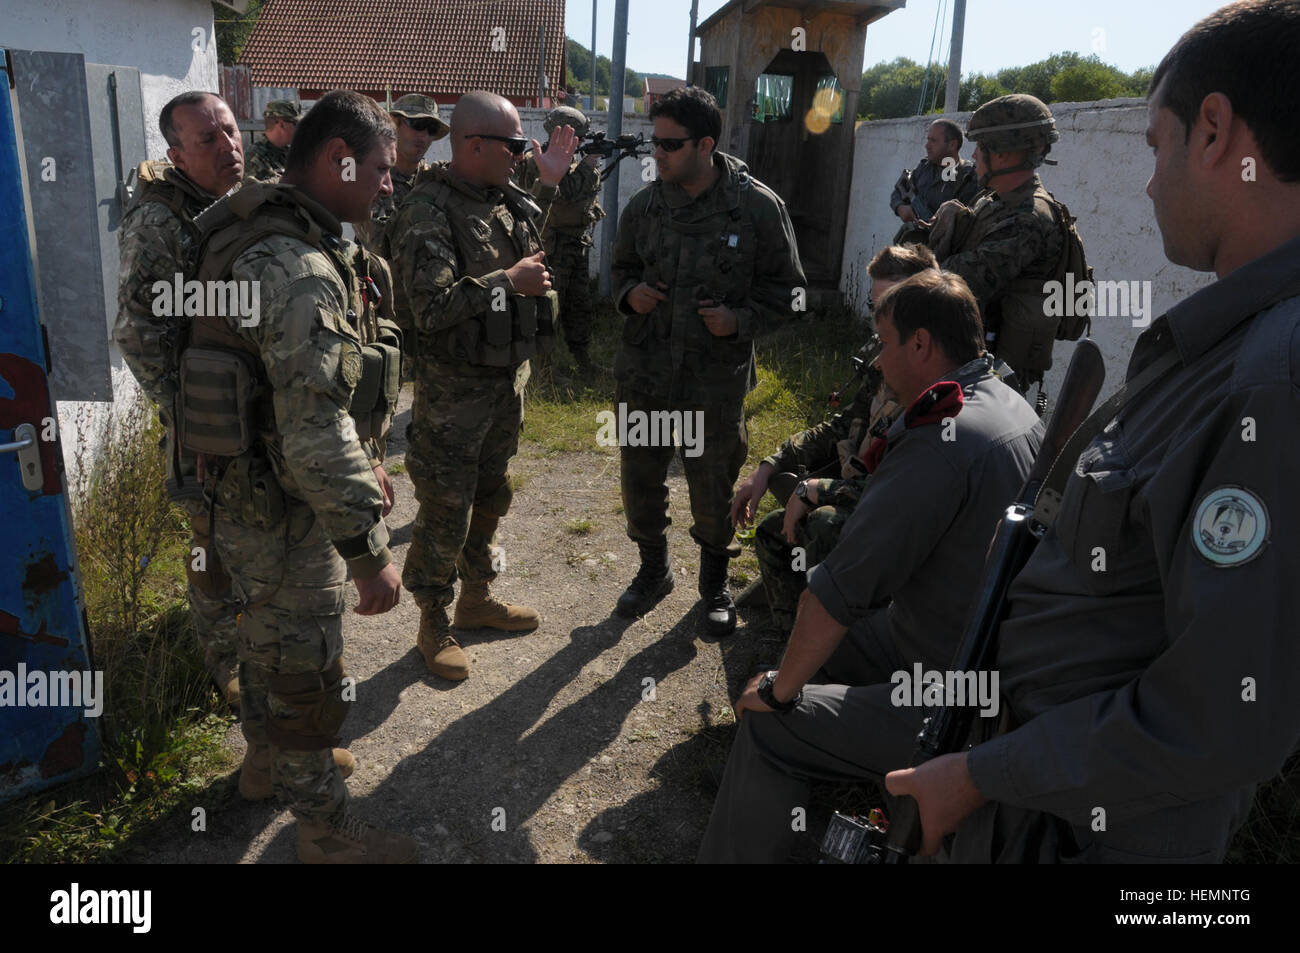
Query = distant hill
x=578 y=63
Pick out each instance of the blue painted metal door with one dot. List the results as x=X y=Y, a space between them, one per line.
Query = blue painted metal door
x=44 y=655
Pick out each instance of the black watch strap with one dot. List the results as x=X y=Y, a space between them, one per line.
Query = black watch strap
x=766 y=691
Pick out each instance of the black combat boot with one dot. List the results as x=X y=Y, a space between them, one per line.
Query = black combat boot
x=720 y=610
x=653 y=581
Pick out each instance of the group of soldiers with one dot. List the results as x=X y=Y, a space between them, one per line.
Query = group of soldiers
x=278 y=434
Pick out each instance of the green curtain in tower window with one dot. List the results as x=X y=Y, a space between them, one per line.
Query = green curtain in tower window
x=716 y=79
x=773 y=93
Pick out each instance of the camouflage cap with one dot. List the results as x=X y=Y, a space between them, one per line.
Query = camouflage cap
x=565 y=116
x=418 y=106
x=289 y=109
x=1017 y=121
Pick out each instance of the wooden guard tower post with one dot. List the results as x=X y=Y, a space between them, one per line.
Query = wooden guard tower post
x=787 y=74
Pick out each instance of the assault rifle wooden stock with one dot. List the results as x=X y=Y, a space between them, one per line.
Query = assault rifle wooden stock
x=1017 y=534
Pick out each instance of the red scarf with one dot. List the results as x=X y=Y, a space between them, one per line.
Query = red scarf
x=942 y=400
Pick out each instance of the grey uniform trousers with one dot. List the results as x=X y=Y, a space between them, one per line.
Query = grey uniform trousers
x=838 y=733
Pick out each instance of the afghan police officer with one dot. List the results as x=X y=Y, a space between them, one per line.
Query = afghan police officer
x=418 y=127
x=825 y=463
x=1016 y=237
x=941 y=176
x=282 y=405
x=705 y=261
x=467 y=253
x=567 y=236
x=940 y=477
x=156 y=241
x=1149 y=699
x=267 y=157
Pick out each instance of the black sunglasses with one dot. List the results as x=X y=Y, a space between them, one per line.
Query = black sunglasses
x=516 y=146
x=423 y=125
x=671 y=145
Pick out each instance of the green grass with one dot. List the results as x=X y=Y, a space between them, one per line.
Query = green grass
x=579 y=527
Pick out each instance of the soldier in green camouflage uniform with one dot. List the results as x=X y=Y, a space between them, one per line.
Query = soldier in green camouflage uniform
x=467 y=254
x=828 y=461
x=418 y=127
x=705 y=261
x=268 y=155
x=156 y=239
x=304 y=504
x=567 y=238
x=1012 y=240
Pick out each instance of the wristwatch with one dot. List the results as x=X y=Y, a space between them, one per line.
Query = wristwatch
x=801 y=491
x=766 y=691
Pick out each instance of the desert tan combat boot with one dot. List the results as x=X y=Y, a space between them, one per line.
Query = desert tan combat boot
x=257 y=774
x=346 y=839
x=476 y=609
x=442 y=653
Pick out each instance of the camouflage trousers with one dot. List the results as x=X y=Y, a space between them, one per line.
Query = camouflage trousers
x=785 y=572
x=464 y=432
x=290 y=583
x=568 y=259
x=710 y=475
x=212 y=606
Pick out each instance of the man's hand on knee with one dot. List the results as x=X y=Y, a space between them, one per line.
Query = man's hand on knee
x=379 y=593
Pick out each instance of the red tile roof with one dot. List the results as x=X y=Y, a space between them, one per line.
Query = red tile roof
x=429 y=46
x=657 y=85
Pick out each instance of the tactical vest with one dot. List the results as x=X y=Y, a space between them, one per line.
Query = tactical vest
x=574 y=217
x=523 y=326
x=226 y=406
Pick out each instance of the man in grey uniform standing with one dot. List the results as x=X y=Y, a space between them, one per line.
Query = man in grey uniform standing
x=1148 y=657
x=940 y=478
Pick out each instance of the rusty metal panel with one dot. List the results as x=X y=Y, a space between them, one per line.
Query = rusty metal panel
x=42 y=625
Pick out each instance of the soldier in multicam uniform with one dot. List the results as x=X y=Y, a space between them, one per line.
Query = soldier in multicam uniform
x=819 y=474
x=1012 y=241
x=156 y=241
x=267 y=157
x=705 y=262
x=467 y=254
x=567 y=238
x=418 y=127
x=292 y=459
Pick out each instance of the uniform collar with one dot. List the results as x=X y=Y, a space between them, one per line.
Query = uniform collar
x=1202 y=320
x=187 y=185
x=1022 y=192
x=724 y=193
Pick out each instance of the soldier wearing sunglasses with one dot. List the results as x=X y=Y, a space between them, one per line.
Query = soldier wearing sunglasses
x=705 y=261
x=418 y=127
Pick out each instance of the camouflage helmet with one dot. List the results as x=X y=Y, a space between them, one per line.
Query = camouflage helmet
x=1009 y=123
x=289 y=109
x=565 y=116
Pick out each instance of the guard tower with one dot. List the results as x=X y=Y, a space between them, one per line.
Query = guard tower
x=787 y=74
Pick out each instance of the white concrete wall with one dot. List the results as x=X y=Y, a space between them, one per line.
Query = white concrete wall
x=1104 y=164
x=157 y=38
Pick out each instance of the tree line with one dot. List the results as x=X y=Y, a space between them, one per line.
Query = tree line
x=904 y=87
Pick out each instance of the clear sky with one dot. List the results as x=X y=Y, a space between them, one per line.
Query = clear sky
x=999 y=33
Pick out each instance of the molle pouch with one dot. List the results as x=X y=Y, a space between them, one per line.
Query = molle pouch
x=218 y=390
x=498 y=331
x=366 y=395
x=251 y=493
x=523 y=344
x=1026 y=335
x=548 y=316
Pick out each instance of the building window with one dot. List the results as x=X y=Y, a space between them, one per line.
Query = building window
x=830 y=98
x=773 y=93
x=716 y=79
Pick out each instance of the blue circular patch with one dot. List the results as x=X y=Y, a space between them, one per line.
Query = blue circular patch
x=1230 y=527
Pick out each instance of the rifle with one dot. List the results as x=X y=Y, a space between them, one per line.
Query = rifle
x=595 y=143
x=863 y=369
x=882 y=841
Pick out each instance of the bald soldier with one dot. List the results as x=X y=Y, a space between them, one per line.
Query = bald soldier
x=156 y=240
x=267 y=157
x=467 y=252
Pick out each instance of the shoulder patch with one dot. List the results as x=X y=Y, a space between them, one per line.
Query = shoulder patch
x=1230 y=526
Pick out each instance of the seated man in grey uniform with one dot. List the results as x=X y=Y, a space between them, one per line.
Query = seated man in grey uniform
x=1152 y=690
x=940 y=479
